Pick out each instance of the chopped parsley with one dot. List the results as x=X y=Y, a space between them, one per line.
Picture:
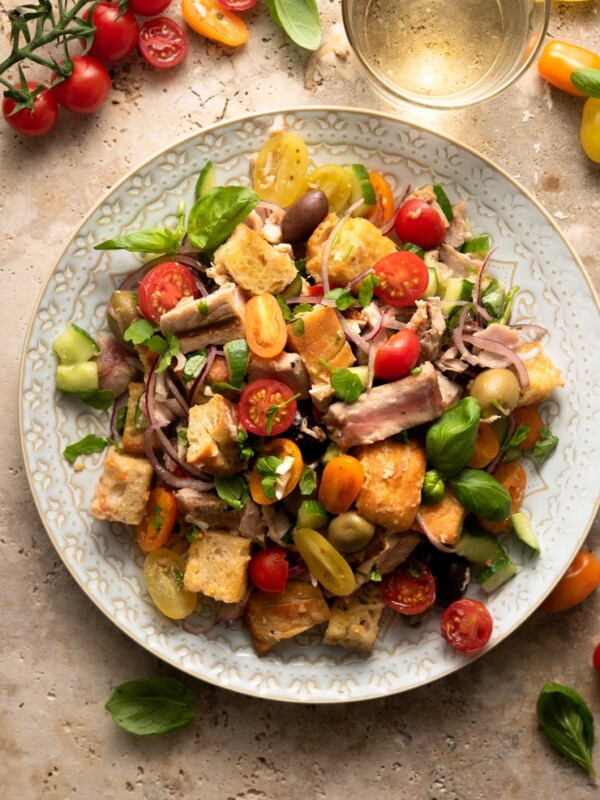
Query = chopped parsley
x=274 y=409
x=545 y=445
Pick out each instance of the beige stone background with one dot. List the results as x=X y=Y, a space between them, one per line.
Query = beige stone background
x=472 y=736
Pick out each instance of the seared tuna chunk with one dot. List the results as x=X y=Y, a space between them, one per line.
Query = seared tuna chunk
x=206 y=510
x=190 y=314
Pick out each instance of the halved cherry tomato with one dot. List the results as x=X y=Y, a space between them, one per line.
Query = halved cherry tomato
x=530 y=416
x=514 y=479
x=163 y=287
x=87 y=87
x=383 y=209
x=559 y=59
x=163 y=576
x=269 y=569
x=590 y=129
x=316 y=290
x=281 y=449
x=209 y=18
x=116 y=32
x=266 y=332
x=255 y=401
x=340 y=484
x=334 y=181
x=403 y=277
x=486 y=449
x=466 y=625
x=410 y=589
x=162 y=42
x=582 y=577
x=419 y=223
x=395 y=358
x=280 y=168
x=36 y=121
x=158 y=521
x=148 y=8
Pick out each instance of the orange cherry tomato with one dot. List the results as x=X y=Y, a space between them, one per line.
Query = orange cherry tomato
x=383 y=210
x=209 y=18
x=582 y=577
x=158 y=520
x=530 y=416
x=514 y=479
x=486 y=447
x=341 y=482
x=560 y=59
x=266 y=332
x=280 y=448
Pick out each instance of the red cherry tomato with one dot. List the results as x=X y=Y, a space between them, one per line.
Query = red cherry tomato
x=116 y=32
x=162 y=42
x=163 y=287
x=410 y=589
x=466 y=625
x=596 y=658
x=86 y=89
x=316 y=290
x=396 y=357
x=256 y=400
x=36 y=121
x=238 y=5
x=419 y=223
x=269 y=569
x=403 y=277
x=148 y=8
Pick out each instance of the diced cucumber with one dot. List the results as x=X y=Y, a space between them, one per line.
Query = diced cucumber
x=414 y=248
x=74 y=378
x=236 y=357
x=75 y=345
x=492 y=577
x=362 y=189
x=459 y=289
x=479 y=547
x=311 y=514
x=207 y=180
x=479 y=246
x=433 y=286
x=443 y=202
x=363 y=374
x=524 y=531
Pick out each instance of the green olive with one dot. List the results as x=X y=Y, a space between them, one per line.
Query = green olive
x=496 y=391
x=121 y=311
x=350 y=532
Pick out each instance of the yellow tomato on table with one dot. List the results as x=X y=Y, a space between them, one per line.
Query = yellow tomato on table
x=209 y=18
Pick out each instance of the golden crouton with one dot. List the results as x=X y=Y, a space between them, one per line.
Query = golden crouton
x=272 y=617
x=136 y=421
x=253 y=263
x=358 y=245
x=543 y=376
x=391 y=492
x=217 y=566
x=212 y=437
x=355 y=619
x=218 y=373
x=122 y=493
x=443 y=520
x=322 y=340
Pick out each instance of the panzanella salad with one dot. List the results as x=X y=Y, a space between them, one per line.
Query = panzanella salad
x=319 y=406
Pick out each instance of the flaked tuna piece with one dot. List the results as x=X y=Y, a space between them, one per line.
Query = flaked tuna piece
x=429 y=323
x=206 y=510
x=455 y=232
x=462 y=265
x=115 y=366
x=216 y=335
x=385 y=552
x=391 y=408
x=288 y=368
x=190 y=314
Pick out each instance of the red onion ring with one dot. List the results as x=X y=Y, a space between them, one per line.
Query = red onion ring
x=177 y=395
x=376 y=328
x=163 y=473
x=354 y=337
x=493 y=346
x=359 y=279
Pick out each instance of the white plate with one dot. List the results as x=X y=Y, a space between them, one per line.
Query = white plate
x=562 y=497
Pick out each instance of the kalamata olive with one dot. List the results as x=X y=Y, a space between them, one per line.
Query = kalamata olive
x=121 y=311
x=452 y=576
x=496 y=390
x=349 y=532
x=312 y=449
x=303 y=216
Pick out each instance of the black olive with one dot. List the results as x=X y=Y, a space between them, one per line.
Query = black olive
x=452 y=574
x=301 y=218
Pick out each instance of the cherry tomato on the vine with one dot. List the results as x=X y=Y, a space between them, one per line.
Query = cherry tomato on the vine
x=269 y=569
x=403 y=277
x=559 y=59
x=116 y=32
x=466 y=625
x=209 y=18
x=419 y=223
x=258 y=409
x=148 y=8
x=163 y=287
x=162 y=42
x=582 y=577
x=36 y=121
x=395 y=358
x=87 y=87
x=410 y=589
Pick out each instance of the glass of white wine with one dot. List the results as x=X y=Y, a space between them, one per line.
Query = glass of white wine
x=444 y=53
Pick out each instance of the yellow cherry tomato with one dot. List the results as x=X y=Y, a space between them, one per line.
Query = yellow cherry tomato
x=324 y=562
x=280 y=448
x=590 y=129
x=341 y=482
x=280 y=168
x=383 y=210
x=334 y=181
x=209 y=18
x=163 y=576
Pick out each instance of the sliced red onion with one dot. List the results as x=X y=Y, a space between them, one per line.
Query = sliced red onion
x=351 y=334
x=429 y=534
x=479 y=280
x=371 y=365
x=176 y=481
x=201 y=377
x=298 y=570
x=495 y=463
x=359 y=279
x=501 y=349
x=458 y=337
x=378 y=325
x=173 y=388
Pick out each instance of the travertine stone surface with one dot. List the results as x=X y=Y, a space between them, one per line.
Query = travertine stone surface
x=472 y=736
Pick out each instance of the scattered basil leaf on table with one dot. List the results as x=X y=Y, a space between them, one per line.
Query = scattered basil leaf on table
x=479 y=492
x=151 y=705
x=568 y=723
x=216 y=214
x=587 y=81
x=299 y=19
x=450 y=440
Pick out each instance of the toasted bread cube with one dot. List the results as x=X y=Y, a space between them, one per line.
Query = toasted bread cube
x=323 y=340
x=358 y=245
x=136 y=421
x=122 y=493
x=270 y=617
x=543 y=376
x=212 y=437
x=217 y=566
x=355 y=619
x=444 y=520
x=253 y=263
x=391 y=492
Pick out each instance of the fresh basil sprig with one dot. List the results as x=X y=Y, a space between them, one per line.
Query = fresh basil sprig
x=308 y=480
x=568 y=723
x=299 y=19
x=451 y=438
x=148 y=240
x=166 y=345
x=479 y=492
x=347 y=385
x=215 y=215
x=233 y=490
x=433 y=487
x=587 y=81
x=89 y=444
x=151 y=705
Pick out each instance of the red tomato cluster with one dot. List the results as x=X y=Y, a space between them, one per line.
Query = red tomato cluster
x=161 y=41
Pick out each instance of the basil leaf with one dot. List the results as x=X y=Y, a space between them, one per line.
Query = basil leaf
x=139 y=331
x=299 y=327
x=233 y=490
x=480 y=493
x=151 y=705
x=308 y=480
x=193 y=365
x=568 y=723
x=341 y=297
x=121 y=418
x=102 y=399
x=433 y=487
x=299 y=19
x=366 y=289
x=545 y=445
x=171 y=349
x=216 y=214
x=285 y=309
x=492 y=298
x=89 y=444
x=347 y=385
x=587 y=81
x=149 y=240
x=450 y=440
x=268 y=465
